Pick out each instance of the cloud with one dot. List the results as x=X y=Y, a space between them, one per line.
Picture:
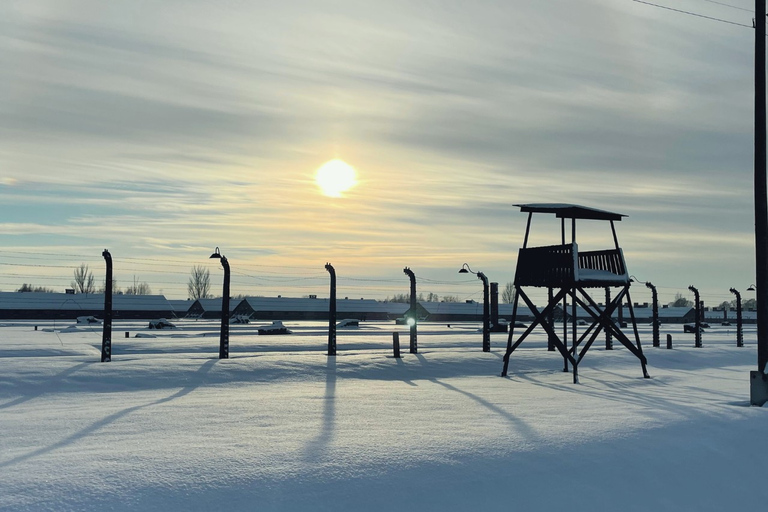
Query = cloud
x=170 y=128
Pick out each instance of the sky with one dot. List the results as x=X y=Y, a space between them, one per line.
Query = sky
x=163 y=130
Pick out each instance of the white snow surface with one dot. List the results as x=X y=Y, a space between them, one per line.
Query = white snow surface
x=280 y=426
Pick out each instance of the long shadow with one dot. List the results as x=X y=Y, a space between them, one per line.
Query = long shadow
x=637 y=394
x=204 y=368
x=317 y=446
x=50 y=384
x=516 y=424
x=401 y=364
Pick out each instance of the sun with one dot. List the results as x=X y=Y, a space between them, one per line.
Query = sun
x=335 y=177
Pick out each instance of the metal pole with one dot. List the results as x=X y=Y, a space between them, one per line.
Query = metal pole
x=759 y=388
x=413 y=319
x=655 y=298
x=224 y=336
x=332 y=312
x=697 y=311
x=551 y=320
x=608 y=337
x=486 y=314
x=739 y=324
x=495 y=306
x=106 y=333
x=621 y=314
x=565 y=328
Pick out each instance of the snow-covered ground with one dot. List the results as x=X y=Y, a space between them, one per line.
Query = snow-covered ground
x=281 y=426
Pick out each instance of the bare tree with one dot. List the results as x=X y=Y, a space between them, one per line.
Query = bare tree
x=138 y=288
x=103 y=288
x=83 y=282
x=399 y=297
x=451 y=298
x=680 y=302
x=508 y=293
x=199 y=285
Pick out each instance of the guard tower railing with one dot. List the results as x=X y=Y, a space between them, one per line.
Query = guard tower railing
x=555 y=266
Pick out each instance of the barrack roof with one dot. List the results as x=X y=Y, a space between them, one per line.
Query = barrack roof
x=570 y=211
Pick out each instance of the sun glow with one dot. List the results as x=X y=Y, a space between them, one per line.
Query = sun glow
x=335 y=177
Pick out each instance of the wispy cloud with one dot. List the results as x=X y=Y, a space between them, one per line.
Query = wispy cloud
x=170 y=129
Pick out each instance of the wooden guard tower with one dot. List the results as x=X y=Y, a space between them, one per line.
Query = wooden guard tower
x=570 y=275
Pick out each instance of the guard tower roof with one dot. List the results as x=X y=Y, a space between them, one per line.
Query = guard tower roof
x=570 y=211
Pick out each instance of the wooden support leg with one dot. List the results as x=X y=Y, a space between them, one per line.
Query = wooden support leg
x=637 y=336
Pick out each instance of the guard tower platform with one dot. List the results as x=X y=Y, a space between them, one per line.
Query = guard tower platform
x=573 y=276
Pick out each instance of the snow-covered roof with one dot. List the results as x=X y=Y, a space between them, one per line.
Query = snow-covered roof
x=322 y=304
x=462 y=308
x=214 y=304
x=90 y=301
x=713 y=315
x=180 y=306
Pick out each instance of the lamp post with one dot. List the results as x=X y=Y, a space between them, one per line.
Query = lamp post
x=224 y=336
x=697 y=327
x=106 y=333
x=332 y=312
x=739 y=331
x=412 y=320
x=486 y=311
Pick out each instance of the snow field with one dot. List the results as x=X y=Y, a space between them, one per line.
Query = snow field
x=280 y=426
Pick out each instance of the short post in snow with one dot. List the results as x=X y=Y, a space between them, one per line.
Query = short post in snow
x=106 y=333
x=669 y=341
x=332 y=312
x=396 y=344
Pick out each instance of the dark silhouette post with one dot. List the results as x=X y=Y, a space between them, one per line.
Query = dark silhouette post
x=621 y=314
x=739 y=325
x=495 y=306
x=396 y=345
x=608 y=337
x=655 y=312
x=551 y=321
x=332 y=312
x=759 y=379
x=486 y=314
x=106 y=333
x=697 y=327
x=486 y=311
x=412 y=320
x=224 y=336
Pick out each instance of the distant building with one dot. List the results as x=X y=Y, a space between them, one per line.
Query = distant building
x=34 y=306
x=290 y=308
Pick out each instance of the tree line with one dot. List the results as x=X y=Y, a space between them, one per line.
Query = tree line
x=198 y=286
